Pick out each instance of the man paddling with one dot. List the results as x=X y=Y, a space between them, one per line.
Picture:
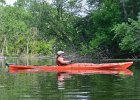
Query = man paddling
x=60 y=60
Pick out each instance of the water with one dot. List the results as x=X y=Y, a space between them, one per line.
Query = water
x=62 y=86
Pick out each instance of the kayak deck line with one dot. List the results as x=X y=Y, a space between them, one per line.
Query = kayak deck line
x=75 y=66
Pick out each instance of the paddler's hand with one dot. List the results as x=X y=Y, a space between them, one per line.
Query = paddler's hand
x=71 y=62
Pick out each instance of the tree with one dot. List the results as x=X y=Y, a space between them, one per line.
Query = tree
x=2 y=2
x=95 y=29
x=130 y=8
x=13 y=25
x=54 y=21
x=128 y=35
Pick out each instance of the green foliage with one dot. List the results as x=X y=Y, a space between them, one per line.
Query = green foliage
x=37 y=27
x=43 y=47
x=12 y=24
x=96 y=29
x=128 y=35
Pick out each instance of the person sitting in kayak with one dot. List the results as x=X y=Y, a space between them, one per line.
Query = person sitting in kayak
x=60 y=60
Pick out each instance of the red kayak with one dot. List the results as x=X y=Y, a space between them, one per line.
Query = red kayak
x=83 y=72
x=76 y=66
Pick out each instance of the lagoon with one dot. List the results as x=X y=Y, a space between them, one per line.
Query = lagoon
x=63 y=86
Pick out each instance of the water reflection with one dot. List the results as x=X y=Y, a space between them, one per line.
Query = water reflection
x=73 y=94
x=61 y=76
x=42 y=85
x=77 y=95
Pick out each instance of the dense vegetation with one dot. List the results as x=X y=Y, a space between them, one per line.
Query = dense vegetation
x=109 y=28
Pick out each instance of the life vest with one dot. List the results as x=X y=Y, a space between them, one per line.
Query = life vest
x=58 y=62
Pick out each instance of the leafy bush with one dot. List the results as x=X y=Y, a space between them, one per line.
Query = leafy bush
x=128 y=35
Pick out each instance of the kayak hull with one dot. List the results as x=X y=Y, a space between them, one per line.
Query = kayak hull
x=83 y=72
x=76 y=66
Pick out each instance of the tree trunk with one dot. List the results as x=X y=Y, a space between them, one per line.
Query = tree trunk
x=4 y=44
x=124 y=10
x=6 y=47
x=27 y=47
x=135 y=8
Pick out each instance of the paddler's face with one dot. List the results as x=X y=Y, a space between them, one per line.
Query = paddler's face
x=62 y=54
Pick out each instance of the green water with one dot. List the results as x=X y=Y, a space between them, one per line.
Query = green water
x=55 y=86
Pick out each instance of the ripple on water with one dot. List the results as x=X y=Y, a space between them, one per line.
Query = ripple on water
x=77 y=95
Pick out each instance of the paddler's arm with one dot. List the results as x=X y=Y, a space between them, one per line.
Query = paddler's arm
x=61 y=59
